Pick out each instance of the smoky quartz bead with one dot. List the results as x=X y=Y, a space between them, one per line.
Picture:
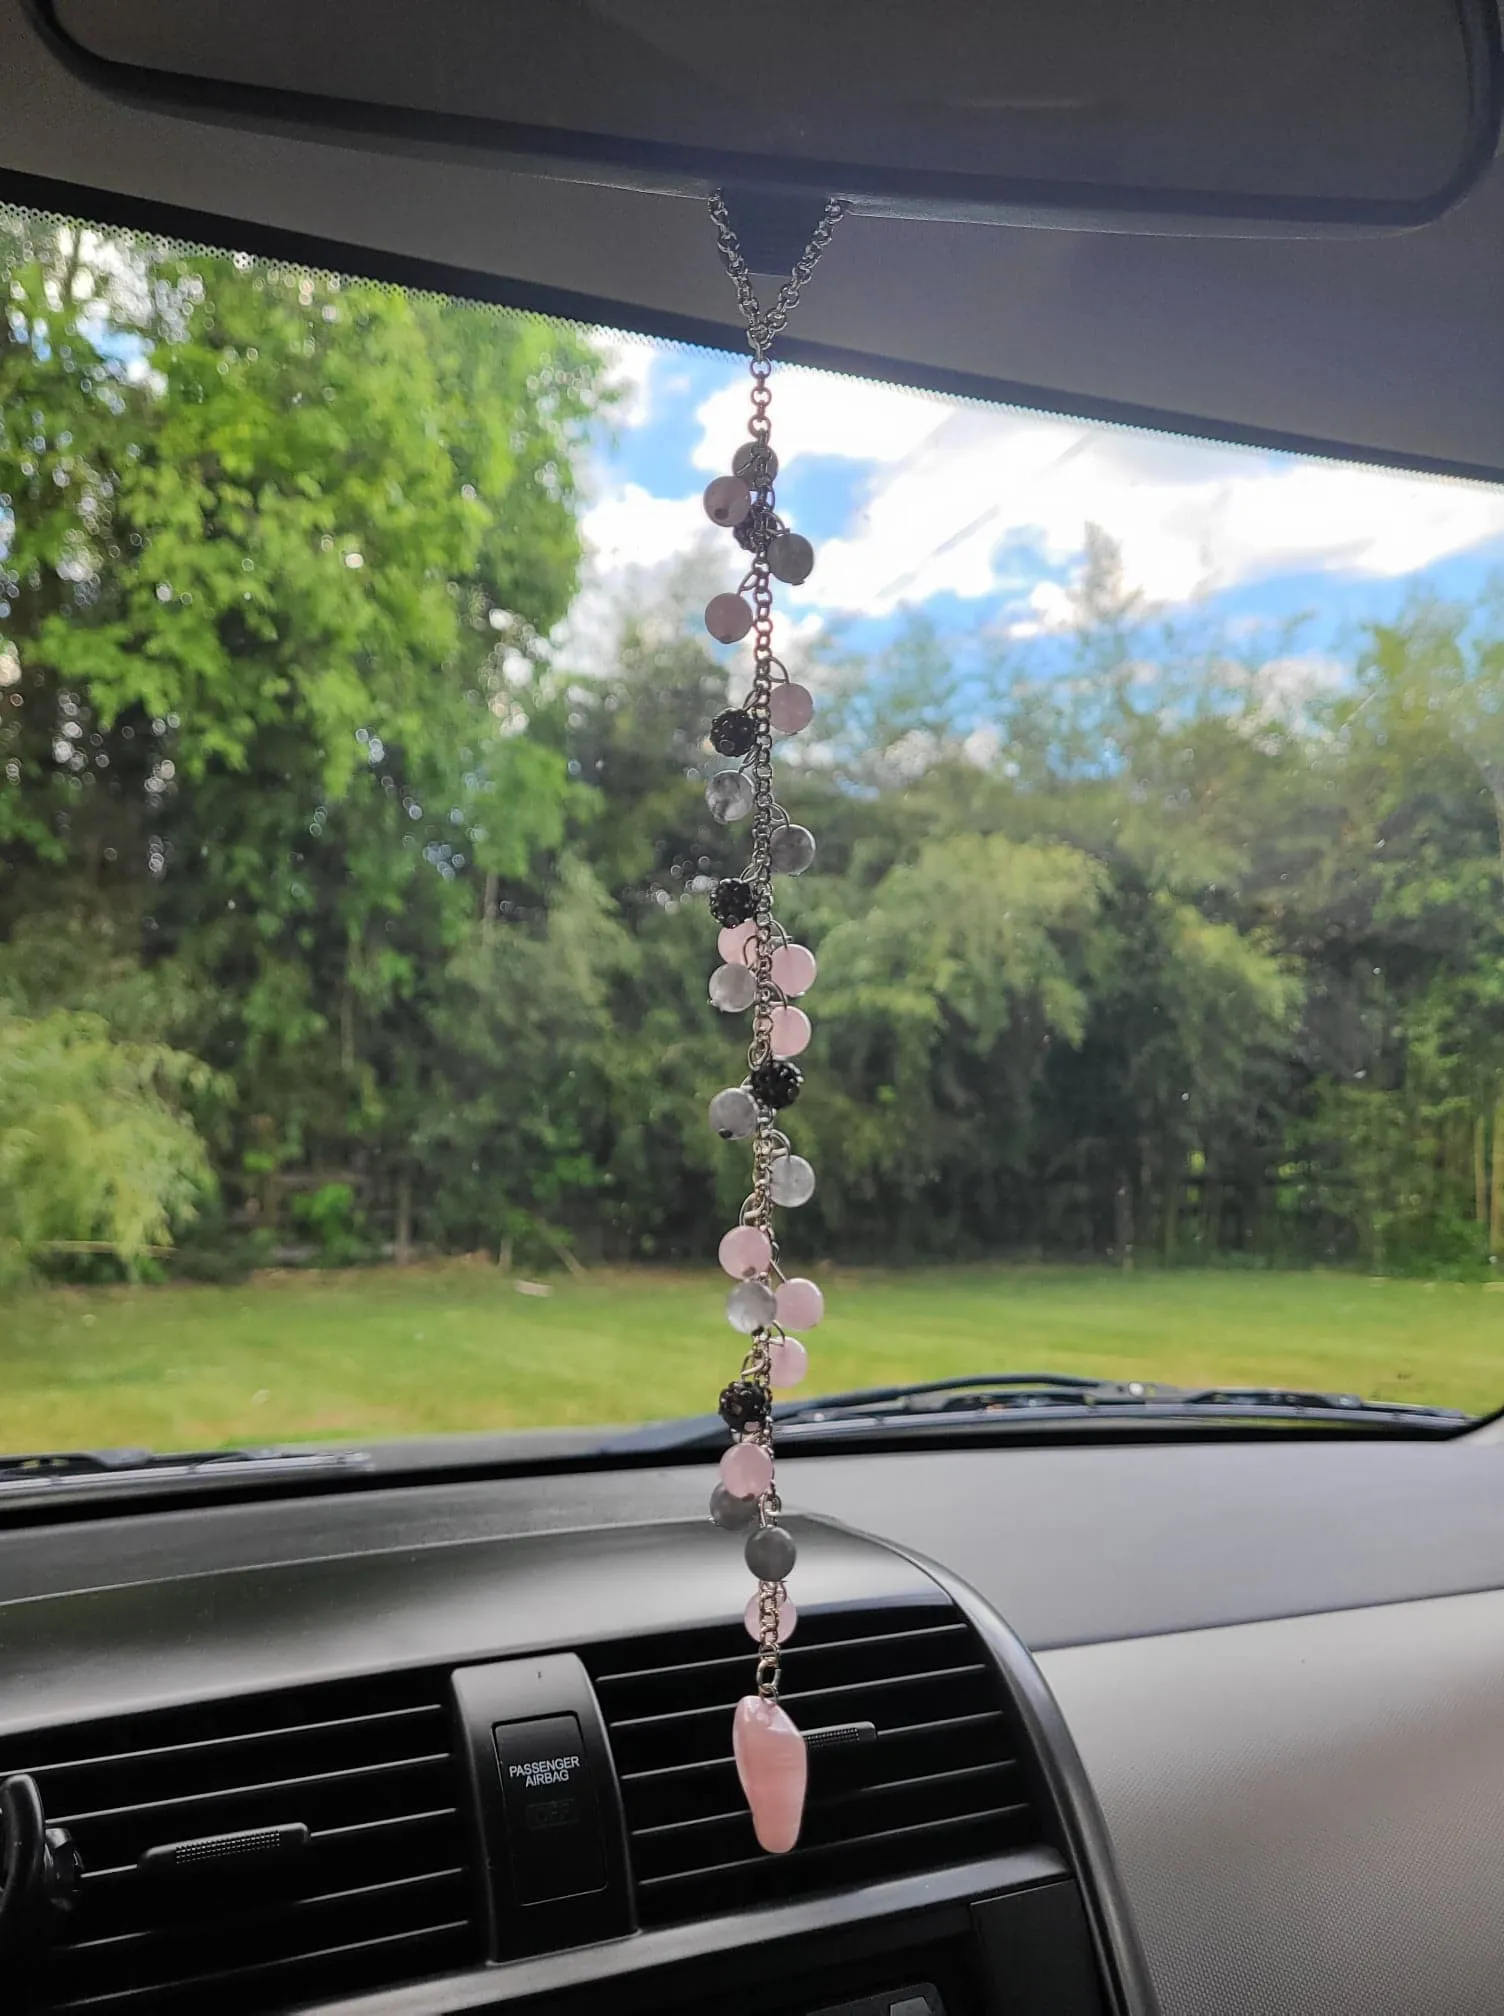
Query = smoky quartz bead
x=791 y=558
x=751 y=1306
x=733 y=1114
x=755 y=463
x=733 y=732
x=742 y=1403
x=733 y=1514
x=776 y=1083
x=729 y=795
x=791 y=850
x=770 y=1553
x=733 y=901
x=791 y=1181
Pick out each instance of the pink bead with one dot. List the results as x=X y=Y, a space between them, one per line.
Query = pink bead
x=788 y=1361
x=789 y=1032
x=800 y=1304
x=773 y=1765
x=790 y=707
x=747 y=1470
x=745 y=1251
x=727 y=500
x=728 y=618
x=794 y=970
x=737 y=944
x=788 y=1617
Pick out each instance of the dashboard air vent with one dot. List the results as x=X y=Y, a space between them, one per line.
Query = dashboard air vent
x=923 y=1772
x=259 y=1852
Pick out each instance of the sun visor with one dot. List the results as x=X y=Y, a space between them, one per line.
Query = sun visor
x=1186 y=213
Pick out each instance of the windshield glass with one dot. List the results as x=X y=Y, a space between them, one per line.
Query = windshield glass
x=354 y=858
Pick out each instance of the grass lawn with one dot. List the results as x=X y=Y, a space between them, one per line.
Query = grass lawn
x=459 y=1346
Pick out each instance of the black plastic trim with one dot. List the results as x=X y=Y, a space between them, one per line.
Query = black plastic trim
x=517 y=1690
x=659 y=166
x=1088 y=1846
x=210 y=230
x=883 y=1917
x=111 y=1497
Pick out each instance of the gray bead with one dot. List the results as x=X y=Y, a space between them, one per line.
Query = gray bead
x=734 y=1514
x=771 y=1554
x=791 y=850
x=729 y=795
x=791 y=1181
x=755 y=463
x=733 y=988
x=733 y=1114
x=750 y=1306
x=791 y=557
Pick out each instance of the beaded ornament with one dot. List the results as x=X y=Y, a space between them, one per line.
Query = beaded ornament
x=764 y=971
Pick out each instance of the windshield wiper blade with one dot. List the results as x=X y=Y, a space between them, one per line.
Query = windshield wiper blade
x=64 y=1469
x=1067 y=1395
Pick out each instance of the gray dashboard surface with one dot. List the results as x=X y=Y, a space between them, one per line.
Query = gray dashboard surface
x=1308 y=1814
x=1071 y=1546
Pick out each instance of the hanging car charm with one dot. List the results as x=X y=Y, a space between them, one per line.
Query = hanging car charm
x=764 y=972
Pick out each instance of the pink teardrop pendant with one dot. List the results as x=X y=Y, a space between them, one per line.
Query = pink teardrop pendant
x=773 y=1766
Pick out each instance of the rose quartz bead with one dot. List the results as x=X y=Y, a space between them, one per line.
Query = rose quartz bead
x=790 y=707
x=727 y=500
x=747 y=1470
x=794 y=969
x=773 y=1765
x=789 y=1031
x=788 y=1361
x=788 y=1617
x=800 y=1304
x=745 y=1251
x=737 y=945
x=728 y=618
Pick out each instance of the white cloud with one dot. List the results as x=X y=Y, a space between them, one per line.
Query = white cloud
x=1190 y=518
x=953 y=490
x=817 y=413
x=630 y=369
x=631 y=528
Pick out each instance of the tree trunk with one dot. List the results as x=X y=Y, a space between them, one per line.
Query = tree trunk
x=1122 y=1220
x=1480 y=1169
x=1496 y=1199
x=402 y=1241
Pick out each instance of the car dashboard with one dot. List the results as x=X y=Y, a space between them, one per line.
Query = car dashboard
x=1196 y=1727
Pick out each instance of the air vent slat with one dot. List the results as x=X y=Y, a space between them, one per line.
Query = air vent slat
x=817 y=1696
x=943 y=1782
x=428 y=1711
x=382 y=1892
x=265 y=1789
x=261 y=1971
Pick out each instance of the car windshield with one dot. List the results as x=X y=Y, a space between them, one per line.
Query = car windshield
x=355 y=856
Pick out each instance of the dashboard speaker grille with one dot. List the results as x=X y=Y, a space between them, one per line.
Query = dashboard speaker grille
x=922 y=1768
x=259 y=1852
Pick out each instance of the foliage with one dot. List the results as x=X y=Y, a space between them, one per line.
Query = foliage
x=94 y=1144
x=1133 y=943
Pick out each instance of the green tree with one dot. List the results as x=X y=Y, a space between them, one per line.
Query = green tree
x=95 y=1145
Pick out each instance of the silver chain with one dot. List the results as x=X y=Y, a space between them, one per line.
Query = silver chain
x=763 y=327
x=760 y=529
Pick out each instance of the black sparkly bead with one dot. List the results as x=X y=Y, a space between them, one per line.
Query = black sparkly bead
x=742 y=1403
x=775 y=1083
x=761 y=525
x=733 y=901
x=732 y=733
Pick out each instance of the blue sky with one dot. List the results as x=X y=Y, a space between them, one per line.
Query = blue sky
x=976 y=515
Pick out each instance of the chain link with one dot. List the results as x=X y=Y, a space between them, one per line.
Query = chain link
x=764 y=325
